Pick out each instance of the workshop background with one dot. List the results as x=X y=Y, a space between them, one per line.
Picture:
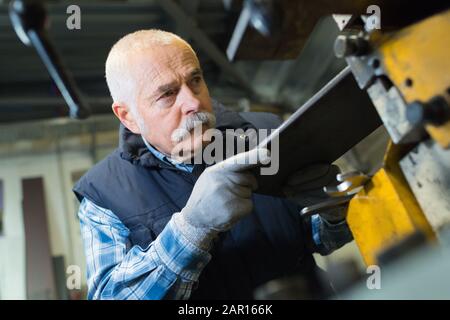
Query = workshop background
x=43 y=151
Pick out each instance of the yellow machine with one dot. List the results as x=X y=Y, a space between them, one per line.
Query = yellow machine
x=401 y=61
x=407 y=75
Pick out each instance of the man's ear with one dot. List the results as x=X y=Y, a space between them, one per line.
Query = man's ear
x=126 y=117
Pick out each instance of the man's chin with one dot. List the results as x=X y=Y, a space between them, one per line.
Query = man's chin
x=183 y=154
x=188 y=148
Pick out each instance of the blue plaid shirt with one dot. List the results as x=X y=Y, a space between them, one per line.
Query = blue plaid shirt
x=169 y=267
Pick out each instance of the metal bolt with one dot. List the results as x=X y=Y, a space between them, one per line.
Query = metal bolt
x=436 y=111
x=375 y=63
x=342 y=47
x=345 y=46
x=415 y=113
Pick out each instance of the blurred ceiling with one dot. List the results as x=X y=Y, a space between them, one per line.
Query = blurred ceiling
x=27 y=92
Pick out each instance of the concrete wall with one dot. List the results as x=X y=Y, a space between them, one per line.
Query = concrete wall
x=56 y=168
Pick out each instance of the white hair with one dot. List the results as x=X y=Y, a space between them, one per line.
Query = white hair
x=121 y=83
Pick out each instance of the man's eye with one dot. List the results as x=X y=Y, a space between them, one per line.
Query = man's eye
x=197 y=80
x=168 y=94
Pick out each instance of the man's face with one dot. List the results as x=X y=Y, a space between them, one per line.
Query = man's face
x=170 y=90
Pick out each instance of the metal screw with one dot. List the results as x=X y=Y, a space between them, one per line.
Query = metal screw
x=436 y=111
x=375 y=63
x=345 y=46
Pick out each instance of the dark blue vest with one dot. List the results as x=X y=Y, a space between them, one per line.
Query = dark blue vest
x=144 y=192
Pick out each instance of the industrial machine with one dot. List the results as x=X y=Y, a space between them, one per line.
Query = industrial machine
x=406 y=74
x=399 y=56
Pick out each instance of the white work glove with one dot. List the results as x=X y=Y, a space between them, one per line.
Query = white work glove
x=305 y=187
x=221 y=197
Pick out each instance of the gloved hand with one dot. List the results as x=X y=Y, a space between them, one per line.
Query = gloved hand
x=305 y=188
x=221 y=197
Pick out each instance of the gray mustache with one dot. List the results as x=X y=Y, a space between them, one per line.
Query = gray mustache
x=191 y=122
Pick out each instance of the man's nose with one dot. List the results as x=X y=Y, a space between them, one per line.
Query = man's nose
x=189 y=101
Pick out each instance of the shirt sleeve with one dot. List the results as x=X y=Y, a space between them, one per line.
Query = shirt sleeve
x=327 y=236
x=167 y=269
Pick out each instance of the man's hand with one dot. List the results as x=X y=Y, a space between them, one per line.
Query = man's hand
x=220 y=198
x=306 y=188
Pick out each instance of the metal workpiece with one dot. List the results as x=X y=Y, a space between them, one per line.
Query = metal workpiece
x=367 y=67
x=427 y=170
x=338 y=116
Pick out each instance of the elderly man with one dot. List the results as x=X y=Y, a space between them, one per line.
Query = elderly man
x=155 y=227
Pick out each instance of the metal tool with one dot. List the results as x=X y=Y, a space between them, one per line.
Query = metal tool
x=339 y=195
x=332 y=202
x=351 y=184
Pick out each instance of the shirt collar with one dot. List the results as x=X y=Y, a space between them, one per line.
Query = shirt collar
x=179 y=165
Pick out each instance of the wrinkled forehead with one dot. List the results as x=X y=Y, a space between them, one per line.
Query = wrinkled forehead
x=161 y=64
